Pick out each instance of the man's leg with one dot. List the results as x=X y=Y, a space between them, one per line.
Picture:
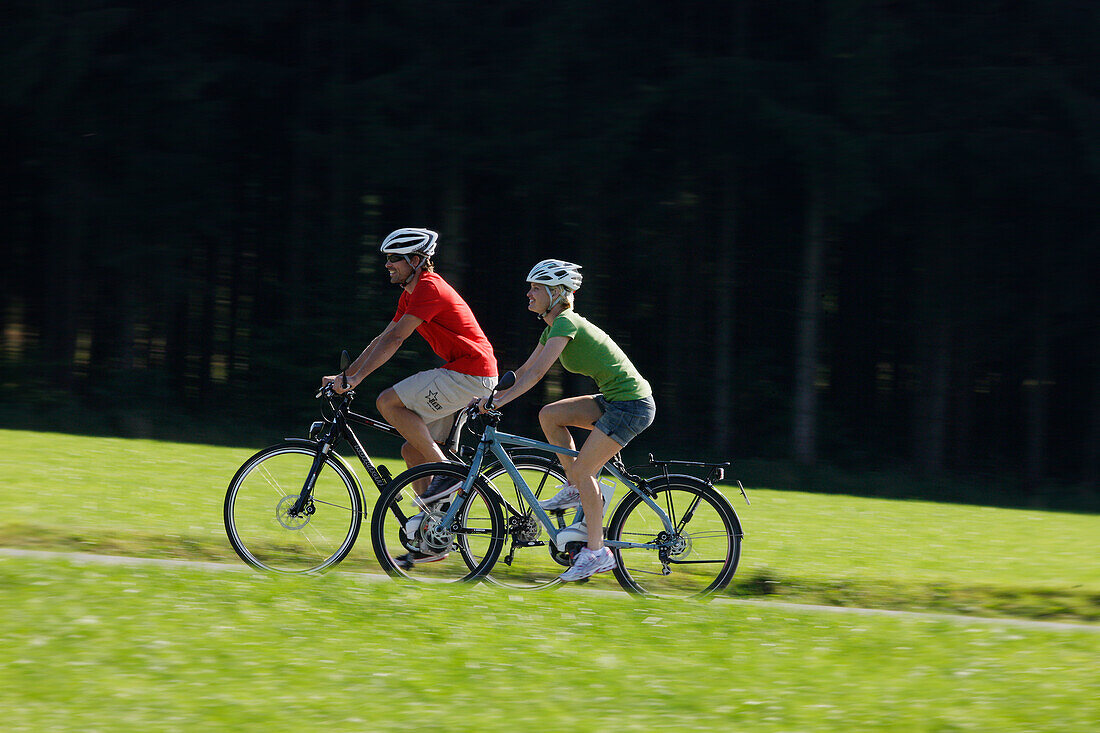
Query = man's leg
x=412 y=456
x=422 y=448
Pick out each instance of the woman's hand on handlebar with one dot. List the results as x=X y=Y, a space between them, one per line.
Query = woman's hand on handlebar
x=479 y=403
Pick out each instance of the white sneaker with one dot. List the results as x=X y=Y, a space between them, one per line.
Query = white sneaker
x=412 y=524
x=589 y=563
x=570 y=496
x=567 y=498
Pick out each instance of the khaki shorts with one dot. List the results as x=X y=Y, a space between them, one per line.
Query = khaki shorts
x=437 y=394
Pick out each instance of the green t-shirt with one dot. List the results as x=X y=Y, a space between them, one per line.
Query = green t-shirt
x=591 y=352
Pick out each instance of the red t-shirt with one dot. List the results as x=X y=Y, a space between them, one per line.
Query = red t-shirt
x=449 y=326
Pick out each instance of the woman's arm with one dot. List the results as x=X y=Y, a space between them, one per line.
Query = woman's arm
x=534 y=369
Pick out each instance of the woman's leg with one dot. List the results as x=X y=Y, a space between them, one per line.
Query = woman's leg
x=597 y=450
x=557 y=417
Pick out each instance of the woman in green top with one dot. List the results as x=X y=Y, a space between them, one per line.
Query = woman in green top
x=623 y=408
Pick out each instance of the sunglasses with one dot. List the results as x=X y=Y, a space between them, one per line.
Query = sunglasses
x=395 y=258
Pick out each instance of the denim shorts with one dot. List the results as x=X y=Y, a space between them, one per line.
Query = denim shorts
x=623 y=421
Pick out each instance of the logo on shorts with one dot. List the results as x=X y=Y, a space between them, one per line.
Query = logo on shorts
x=433 y=401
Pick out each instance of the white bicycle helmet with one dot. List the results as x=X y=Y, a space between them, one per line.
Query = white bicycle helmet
x=553 y=273
x=410 y=241
x=556 y=272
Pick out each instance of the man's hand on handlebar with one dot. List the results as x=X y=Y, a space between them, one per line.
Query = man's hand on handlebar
x=479 y=403
x=336 y=383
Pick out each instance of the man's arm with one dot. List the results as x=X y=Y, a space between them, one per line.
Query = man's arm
x=381 y=348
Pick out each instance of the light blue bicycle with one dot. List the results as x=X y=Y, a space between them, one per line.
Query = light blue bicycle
x=671 y=533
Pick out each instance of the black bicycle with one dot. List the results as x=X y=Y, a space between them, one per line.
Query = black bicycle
x=297 y=506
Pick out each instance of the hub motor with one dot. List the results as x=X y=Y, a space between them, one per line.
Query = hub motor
x=433 y=535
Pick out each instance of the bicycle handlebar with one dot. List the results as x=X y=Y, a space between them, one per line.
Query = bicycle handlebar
x=329 y=393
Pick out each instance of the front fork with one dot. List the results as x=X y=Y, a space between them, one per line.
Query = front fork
x=304 y=504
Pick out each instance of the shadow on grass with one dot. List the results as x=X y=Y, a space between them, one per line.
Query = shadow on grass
x=1070 y=605
x=1047 y=604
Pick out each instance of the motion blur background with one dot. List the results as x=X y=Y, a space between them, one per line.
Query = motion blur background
x=844 y=234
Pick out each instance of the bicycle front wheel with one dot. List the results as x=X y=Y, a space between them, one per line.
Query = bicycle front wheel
x=412 y=542
x=698 y=557
x=259 y=519
x=528 y=561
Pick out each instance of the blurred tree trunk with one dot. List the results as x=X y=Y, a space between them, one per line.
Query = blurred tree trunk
x=962 y=400
x=176 y=342
x=112 y=329
x=452 y=234
x=931 y=406
x=933 y=350
x=207 y=323
x=725 y=281
x=1091 y=472
x=61 y=295
x=808 y=323
x=1036 y=394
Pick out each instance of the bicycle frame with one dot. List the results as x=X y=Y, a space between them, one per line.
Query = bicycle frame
x=339 y=428
x=494 y=441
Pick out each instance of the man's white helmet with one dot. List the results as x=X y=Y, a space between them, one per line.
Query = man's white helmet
x=410 y=242
x=556 y=272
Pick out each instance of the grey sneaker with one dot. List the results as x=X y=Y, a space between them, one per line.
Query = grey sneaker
x=589 y=562
x=411 y=559
x=440 y=488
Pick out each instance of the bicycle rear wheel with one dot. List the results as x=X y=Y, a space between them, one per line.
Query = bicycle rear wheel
x=258 y=503
x=699 y=557
x=412 y=543
x=527 y=561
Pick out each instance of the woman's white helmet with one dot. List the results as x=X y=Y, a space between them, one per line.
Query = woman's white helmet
x=410 y=241
x=556 y=272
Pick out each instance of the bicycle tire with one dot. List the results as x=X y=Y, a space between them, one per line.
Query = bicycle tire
x=531 y=566
x=255 y=511
x=704 y=554
x=478 y=542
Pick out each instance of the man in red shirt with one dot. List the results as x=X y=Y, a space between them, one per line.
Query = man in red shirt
x=422 y=407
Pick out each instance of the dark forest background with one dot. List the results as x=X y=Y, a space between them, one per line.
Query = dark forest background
x=851 y=234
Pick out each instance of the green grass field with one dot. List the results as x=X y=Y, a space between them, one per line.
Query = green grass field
x=89 y=646
x=154 y=499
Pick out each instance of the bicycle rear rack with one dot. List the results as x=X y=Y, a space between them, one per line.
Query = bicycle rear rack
x=717 y=471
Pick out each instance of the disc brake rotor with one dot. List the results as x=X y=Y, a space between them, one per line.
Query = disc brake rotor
x=524 y=529
x=282 y=513
x=680 y=546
